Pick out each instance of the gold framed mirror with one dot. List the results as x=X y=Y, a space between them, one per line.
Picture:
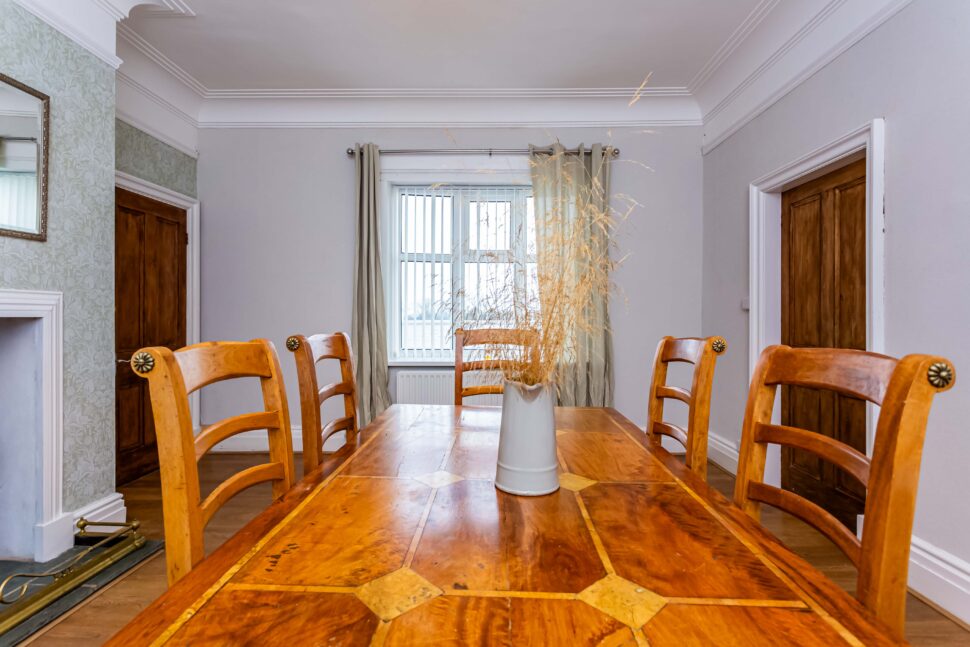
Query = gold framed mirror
x=24 y=147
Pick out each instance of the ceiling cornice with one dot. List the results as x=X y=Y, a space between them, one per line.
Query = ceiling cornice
x=157 y=99
x=746 y=92
x=749 y=24
x=777 y=46
x=89 y=23
x=92 y=23
x=446 y=93
x=153 y=54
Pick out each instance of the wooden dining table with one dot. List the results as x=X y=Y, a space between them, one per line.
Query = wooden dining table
x=401 y=538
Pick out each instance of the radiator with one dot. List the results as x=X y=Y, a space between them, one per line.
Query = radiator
x=438 y=387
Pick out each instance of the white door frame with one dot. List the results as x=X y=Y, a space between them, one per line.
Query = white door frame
x=192 y=290
x=764 y=244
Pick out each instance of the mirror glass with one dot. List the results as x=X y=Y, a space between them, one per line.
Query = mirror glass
x=23 y=160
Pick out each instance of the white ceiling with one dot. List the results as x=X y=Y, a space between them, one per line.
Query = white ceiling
x=445 y=44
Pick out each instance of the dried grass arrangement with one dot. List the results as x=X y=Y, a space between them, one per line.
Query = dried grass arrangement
x=572 y=269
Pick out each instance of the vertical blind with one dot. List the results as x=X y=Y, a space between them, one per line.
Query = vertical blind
x=18 y=201
x=457 y=255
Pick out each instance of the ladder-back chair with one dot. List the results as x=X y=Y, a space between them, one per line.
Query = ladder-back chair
x=526 y=339
x=904 y=391
x=308 y=351
x=172 y=376
x=703 y=354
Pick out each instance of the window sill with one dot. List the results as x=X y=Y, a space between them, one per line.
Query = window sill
x=418 y=363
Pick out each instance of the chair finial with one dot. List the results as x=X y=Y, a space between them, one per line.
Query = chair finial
x=142 y=362
x=940 y=375
x=292 y=343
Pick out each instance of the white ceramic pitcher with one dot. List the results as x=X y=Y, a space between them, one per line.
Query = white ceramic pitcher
x=527 y=463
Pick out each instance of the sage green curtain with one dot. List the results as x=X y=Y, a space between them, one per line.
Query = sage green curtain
x=562 y=184
x=369 y=327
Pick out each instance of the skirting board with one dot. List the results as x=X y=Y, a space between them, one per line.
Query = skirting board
x=722 y=452
x=940 y=577
x=57 y=535
x=110 y=508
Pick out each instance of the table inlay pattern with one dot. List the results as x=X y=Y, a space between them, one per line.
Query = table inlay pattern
x=409 y=541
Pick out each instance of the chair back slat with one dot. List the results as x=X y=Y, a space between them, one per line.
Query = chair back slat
x=683 y=349
x=171 y=376
x=308 y=352
x=340 y=424
x=904 y=389
x=673 y=393
x=336 y=388
x=811 y=513
x=237 y=483
x=209 y=362
x=858 y=374
x=703 y=354
x=526 y=339
x=850 y=459
x=333 y=346
x=677 y=433
x=214 y=434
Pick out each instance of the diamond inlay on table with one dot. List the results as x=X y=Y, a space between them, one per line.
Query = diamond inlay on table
x=397 y=593
x=440 y=478
x=630 y=603
x=574 y=482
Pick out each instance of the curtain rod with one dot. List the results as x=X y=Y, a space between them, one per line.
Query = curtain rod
x=468 y=151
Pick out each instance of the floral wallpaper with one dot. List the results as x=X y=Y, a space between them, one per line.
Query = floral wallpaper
x=78 y=257
x=138 y=153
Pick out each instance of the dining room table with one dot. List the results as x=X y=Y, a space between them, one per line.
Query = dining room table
x=401 y=538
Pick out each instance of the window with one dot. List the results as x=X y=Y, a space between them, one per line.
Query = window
x=457 y=254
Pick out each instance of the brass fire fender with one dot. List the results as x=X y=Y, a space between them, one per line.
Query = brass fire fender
x=17 y=608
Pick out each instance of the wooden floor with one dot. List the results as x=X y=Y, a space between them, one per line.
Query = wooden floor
x=103 y=614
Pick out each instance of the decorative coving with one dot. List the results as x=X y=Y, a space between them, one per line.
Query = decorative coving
x=91 y=23
x=731 y=44
x=742 y=90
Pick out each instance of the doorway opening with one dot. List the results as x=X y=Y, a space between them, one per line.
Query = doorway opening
x=864 y=147
x=156 y=304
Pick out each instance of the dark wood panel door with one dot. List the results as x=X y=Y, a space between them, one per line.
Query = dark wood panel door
x=150 y=271
x=824 y=305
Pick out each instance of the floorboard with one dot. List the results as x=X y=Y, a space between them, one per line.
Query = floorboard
x=103 y=614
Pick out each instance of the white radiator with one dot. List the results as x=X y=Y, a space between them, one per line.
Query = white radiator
x=438 y=387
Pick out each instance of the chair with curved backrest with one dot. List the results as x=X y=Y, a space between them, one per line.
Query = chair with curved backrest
x=172 y=376
x=703 y=354
x=527 y=339
x=308 y=351
x=904 y=390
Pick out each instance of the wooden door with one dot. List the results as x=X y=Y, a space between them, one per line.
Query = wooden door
x=150 y=270
x=824 y=305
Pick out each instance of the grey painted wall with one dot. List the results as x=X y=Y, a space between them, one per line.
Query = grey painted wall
x=910 y=72
x=278 y=238
x=78 y=257
x=138 y=153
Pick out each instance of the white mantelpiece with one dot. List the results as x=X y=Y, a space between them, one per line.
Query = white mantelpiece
x=31 y=347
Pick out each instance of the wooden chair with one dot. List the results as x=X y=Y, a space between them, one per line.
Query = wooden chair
x=527 y=339
x=172 y=376
x=703 y=354
x=308 y=351
x=904 y=390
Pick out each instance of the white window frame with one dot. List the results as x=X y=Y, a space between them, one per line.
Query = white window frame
x=397 y=170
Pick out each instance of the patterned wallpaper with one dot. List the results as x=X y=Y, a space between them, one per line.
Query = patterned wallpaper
x=138 y=153
x=78 y=257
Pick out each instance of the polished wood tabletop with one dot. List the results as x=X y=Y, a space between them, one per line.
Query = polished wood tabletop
x=401 y=538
